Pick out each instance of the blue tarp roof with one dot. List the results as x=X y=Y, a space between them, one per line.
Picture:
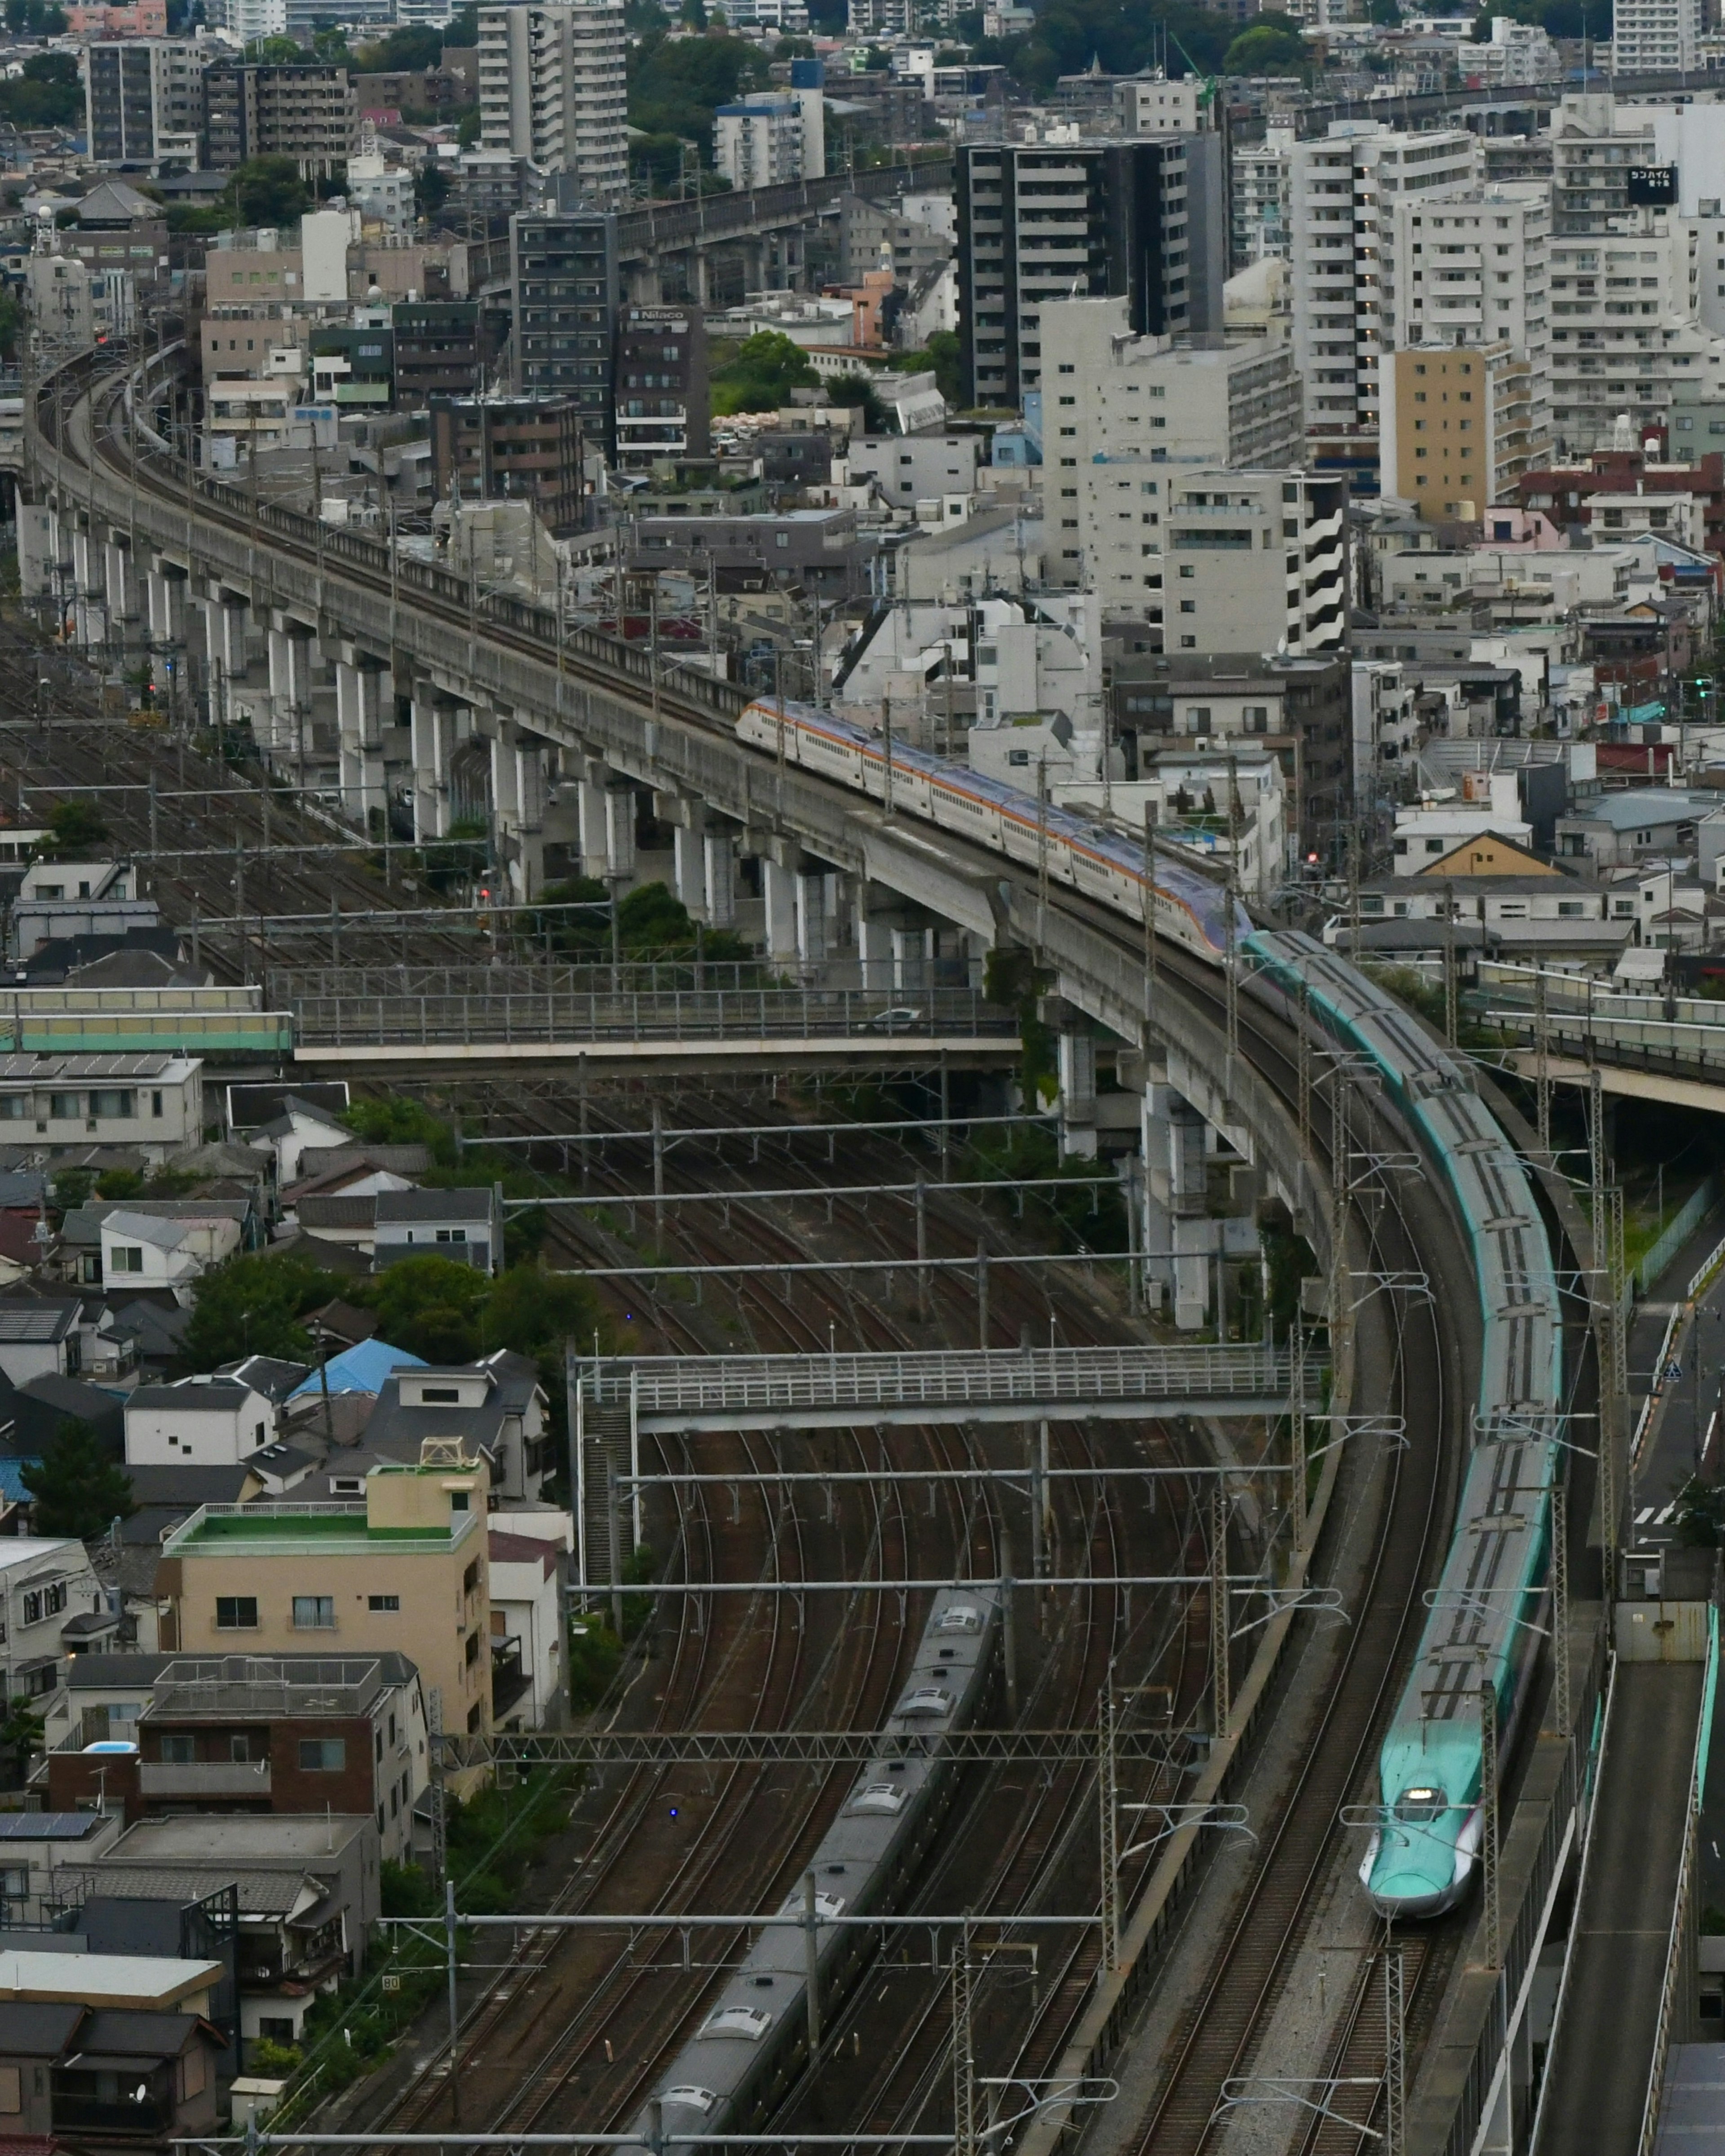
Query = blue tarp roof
x=360 y=1370
x=12 y=1480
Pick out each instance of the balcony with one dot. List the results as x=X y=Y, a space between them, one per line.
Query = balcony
x=204 y=1778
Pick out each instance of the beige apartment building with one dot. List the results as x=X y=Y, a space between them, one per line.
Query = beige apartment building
x=406 y=1570
x=1459 y=428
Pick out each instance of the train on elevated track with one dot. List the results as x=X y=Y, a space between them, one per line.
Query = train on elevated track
x=1482 y=1625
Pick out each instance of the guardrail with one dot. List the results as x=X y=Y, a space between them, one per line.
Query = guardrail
x=1676 y=1951
x=1683 y=1224
x=710 y=1013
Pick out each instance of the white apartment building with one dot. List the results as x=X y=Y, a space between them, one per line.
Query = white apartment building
x=1120 y=404
x=1224 y=560
x=1657 y=37
x=771 y=136
x=1345 y=189
x=1473 y=266
x=1516 y=53
x=551 y=89
x=1152 y=104
x=1260 y=200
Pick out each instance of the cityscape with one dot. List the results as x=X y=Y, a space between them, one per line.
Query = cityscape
x=862 y=1191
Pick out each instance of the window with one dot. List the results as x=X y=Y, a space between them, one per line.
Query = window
x=472 y=1649
x=782 y=539
x=314 y=1613
x=452 y=1234
x=33 y=1606
x=323 y=1755
x=458 y=1500
x=53 y=1599
x=128 y=1258
x=277 y=2026
x=63 y=1107
x=115 y=1102
x=180 y=1751
x=384 y=1602
x=236 y=1613
x=15 y=1107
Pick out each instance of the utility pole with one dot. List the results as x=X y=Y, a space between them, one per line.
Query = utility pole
x=1542 y=1063
x=1108 y=1804
x=1488 y=1806
x=1395 y=2052
x=1220 y=1643
x=964 y=2133
x=1560 y=1699
x=1450 y=981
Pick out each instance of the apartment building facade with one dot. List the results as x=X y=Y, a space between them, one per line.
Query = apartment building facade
x=1141 y=220
x=144 y=103
x=662 y=401
x=310 y=114
x=1260 y=200
x=1345 y=188
x=553 y=90
x=565 y=291
x=403 y=1571
x=1460 y=426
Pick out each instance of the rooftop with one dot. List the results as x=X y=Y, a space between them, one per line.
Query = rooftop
x=262 y=1840
x=94 y=1979
x=289 y=1530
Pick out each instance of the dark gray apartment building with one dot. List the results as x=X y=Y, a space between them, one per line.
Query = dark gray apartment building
x=1145 y=218
x=565 y=287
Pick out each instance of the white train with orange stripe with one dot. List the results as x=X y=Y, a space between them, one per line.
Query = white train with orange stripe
x=1103 y=863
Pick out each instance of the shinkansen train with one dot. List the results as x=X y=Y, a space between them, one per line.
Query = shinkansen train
x=1189 y=907
x=1481 y=1628
x=754 y=2039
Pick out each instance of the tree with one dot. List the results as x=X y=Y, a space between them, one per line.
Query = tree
x=467 y=128
x=281 y=52
x=430 y=1306
x=535 y=1312
x=1262 y=51
x=408 y=50
x=675 y=85
x=75 y=1488
x=252 y=1305
x=20 y=1735
x=462 y=28
x=269 y=191
x=766 y=367
x=395 y=1119
x=431 y=188
x=858 y=389
x=1384 y=12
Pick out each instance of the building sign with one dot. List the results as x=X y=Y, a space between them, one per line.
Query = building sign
x=1652 y=186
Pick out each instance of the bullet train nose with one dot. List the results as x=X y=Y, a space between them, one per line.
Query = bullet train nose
x=1410 y=1894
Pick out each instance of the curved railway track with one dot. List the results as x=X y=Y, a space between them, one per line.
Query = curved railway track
x=1412 y=1233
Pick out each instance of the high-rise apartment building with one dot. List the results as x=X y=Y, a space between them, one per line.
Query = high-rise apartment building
x=1658 y=37
x=1260 y=200
x=773 y=136
x=1142 y=220
x=144 y=103
x=1460 y=426
x=1345 y=187
x=565 y=291
x=1634 y=284
x=552 y=90
x=310 y=114
x=1117 y=407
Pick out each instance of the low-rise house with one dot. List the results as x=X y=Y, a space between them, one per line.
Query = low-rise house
x=403 y=1569
x=151 y=1105
x=1622 y=830
x=211 y=1421
x=43 y=1581
x=256 y=1733
x=527 y=1677
x=35 y=1847
x=299 y=1123
x=466 y=1225
x=40 y=1336
x=101 y=1701
x=169 y=1248
x=308 y=1895
x=73 y=2076
x=496 y=1406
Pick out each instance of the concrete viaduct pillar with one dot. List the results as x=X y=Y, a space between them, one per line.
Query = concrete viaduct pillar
x=718 y=865
x=778 y=891
x=518 y=803
x=434 y=727
x=290 y=657
x=121 y=584
x=360 y=688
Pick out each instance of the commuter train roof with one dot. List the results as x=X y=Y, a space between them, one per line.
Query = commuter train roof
x=1204 y=898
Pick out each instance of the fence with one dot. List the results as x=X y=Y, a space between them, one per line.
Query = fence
x=1653 y=1260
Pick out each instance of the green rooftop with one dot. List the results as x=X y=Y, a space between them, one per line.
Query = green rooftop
x=272 y=1528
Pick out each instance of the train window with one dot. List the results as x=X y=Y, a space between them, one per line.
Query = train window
x=961 y=1617
x=878 y=1796
x=927 y=1699
x=696 y=2099
x=1424 y=1802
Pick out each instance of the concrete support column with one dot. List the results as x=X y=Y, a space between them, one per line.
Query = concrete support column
x=778 y=888
x=527 y=864
x=619 y=799
x=814 y=914
x=433 y=732
x=1077 y=1062
x=156 y=587
x=121 y=584
x=874 y=945
x=912 y=949
x=290 y=652
x=689 y=835
x=359 y=725
x=590 y=810
x=718 y=864
x=506 y=795
x=90 y=577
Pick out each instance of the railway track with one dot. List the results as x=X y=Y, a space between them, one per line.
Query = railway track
x=1254 y=1959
